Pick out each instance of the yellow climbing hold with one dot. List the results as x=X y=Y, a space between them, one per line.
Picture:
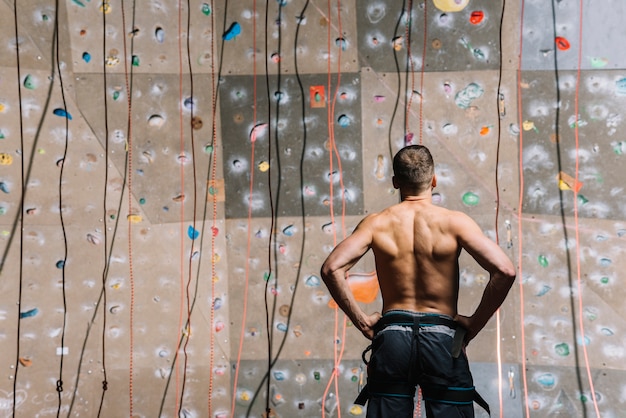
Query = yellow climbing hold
x=356 y=410
x=134 y=218
x=6 y=159
x=106 y=7
x=527 y=125
x=451 y=5
x=264 y=166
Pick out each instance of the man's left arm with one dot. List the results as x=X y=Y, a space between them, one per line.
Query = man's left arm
x=345 y=255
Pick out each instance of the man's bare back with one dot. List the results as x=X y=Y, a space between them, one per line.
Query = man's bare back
x=416 y=257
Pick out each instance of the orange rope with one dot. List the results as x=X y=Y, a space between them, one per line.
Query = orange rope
x=130 y=209
x=214 y=194
x=249 y=236
x=332 y=147
x=423 y=72
x=578 y=267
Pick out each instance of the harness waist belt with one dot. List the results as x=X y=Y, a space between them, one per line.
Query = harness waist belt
x=409 y=320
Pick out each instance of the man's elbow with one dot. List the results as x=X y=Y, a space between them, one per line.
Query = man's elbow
x=508 y=273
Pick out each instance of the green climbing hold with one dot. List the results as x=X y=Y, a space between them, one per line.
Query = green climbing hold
x=116 y=94
x=562 y=349
x=582 y=199
x=604 y=280
x=206 y=9
x=208 y=149
x=135 y=61
x=471 y=199
x=142 y=201
x=29 y=82
x=543 y=260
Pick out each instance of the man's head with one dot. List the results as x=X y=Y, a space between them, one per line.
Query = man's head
x=414 y=169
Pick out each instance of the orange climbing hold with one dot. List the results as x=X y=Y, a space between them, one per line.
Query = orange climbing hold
x=476 y=17
x=363 y=285
x=562 y=43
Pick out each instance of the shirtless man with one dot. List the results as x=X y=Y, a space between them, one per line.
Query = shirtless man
x=420 y=337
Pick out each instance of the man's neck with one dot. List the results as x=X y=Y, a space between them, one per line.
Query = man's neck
x=426 y=195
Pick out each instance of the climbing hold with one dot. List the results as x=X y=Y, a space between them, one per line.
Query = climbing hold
x=567 y=182
x=62 y=113
x=264 y=166
x=206 y=9
x=356 y=410
x=289 y=230
x=188 y=103
x=196 y=123
x=465 y=97
x=135 y=61
x=317 y=96
x=408 y=138
x=159 y=34
x=86 y=57
x=341 y=42
x=451 y=5
x=93 y=239
x=156 y=121
x=471 y=199
x=545 y=289
x=528 y=125
x=562 y=43
x=476 y=17
x=105 y=7
x=344 y=121
x=192 y=232
x=485 y=130
x=312 y=281
x=620 y=86
x=29 y=314
x=232 y=32
x=397 y=43
x=26 y=362
x=562 y=349
x=6 y=159
x=29 y=82
x=258 y=130
x=275 y=57
x=546 y=380
x=134 y=218
x=543 y=260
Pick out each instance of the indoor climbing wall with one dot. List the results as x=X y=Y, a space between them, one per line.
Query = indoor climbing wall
x=174 y=173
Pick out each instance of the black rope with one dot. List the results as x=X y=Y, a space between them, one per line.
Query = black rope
x=194 y=200
x=61 y=209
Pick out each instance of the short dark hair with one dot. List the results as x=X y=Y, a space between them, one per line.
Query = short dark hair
x=413 y=166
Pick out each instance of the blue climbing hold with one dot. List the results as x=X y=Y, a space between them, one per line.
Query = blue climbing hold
x=86 y=57
x=192 y=232
x=29 y=313
x=62 y=113
x=232 y=32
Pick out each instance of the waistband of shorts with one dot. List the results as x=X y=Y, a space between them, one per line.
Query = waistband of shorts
x=414 y=319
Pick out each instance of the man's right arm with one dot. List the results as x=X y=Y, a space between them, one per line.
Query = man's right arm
x=490 y=257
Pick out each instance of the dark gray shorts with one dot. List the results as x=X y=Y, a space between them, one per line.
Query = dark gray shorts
x=395 y=355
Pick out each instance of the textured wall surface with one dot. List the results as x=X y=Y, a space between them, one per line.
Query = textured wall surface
x=173 y=174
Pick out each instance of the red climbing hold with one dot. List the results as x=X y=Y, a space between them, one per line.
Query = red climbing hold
x=476 y=17
x=562 y=43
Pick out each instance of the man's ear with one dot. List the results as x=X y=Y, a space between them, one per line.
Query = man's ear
x=434 y=182
x=394 y=181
